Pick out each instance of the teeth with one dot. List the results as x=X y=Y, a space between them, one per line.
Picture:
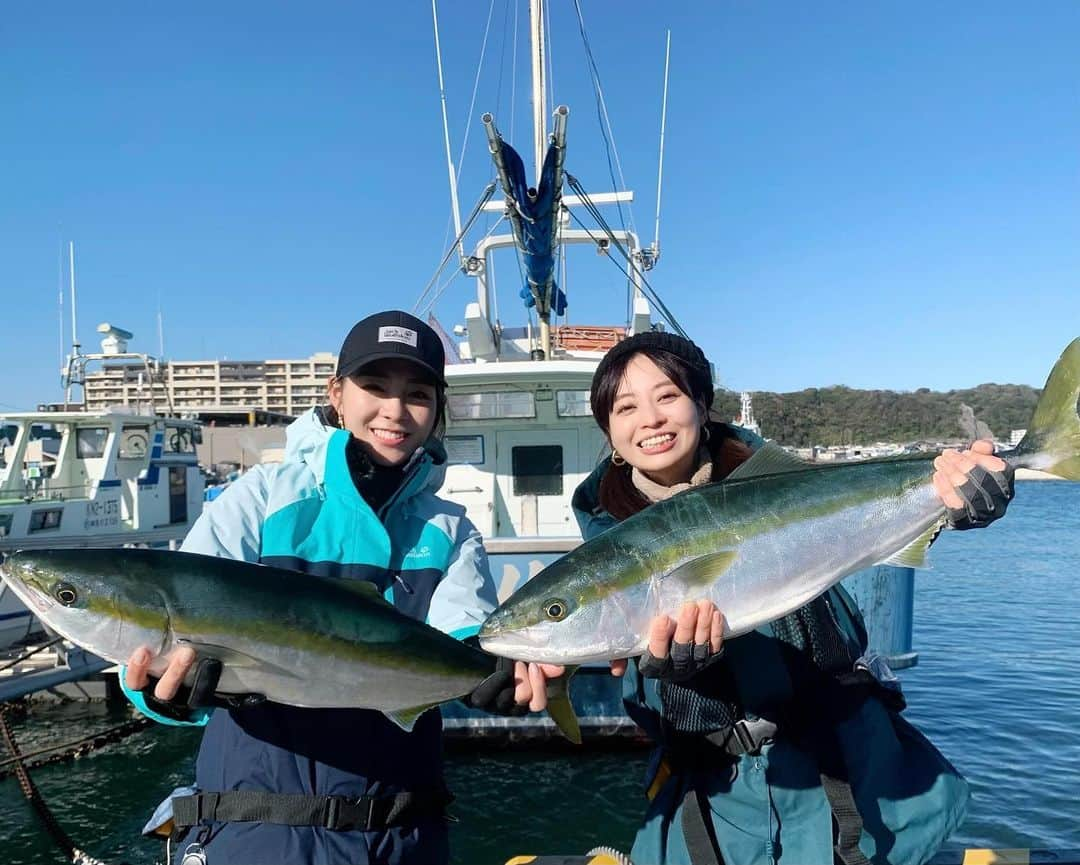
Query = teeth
x=387 y=435
x=656 y=440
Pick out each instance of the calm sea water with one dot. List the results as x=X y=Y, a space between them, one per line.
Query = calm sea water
x=997 y=688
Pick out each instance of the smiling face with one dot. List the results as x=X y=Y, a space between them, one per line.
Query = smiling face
x=654 y=425
x=389 y=405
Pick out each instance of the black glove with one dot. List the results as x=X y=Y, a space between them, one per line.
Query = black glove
x=496 y=693
x=683 y=661
x=986 y=495
x=199 y=695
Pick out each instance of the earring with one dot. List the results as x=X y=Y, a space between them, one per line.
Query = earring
x=705 y=434
x=617 y=459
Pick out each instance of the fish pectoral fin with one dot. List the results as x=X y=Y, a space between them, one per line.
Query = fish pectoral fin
x=406 y=718
x=769 y=459
x=233 y=658
x=560 y=708
x=914 y=554
x=704 y=569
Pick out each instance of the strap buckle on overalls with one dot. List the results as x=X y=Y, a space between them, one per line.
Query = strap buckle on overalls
x=749 y=737
x=344 y=814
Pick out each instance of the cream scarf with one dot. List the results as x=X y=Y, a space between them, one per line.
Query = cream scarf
x=655 y=492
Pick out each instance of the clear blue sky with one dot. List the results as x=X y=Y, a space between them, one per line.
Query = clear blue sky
x=879 y=195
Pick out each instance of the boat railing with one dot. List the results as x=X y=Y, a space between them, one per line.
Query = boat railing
x=42 y=489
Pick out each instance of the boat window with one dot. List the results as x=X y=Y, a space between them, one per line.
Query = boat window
x=573 y=403
x=134 y=442
x=90 y=442
x=47 y=518
x=487 y=406
x=5 y=524
x=538 y=470
x=178 y=440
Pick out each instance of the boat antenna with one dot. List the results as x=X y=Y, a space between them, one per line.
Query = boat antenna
x=60 y=300
x=160 y=331
x=446 y=134
x=74 y=326
x=655 y=249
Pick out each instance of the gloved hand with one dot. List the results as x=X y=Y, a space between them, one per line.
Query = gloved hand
x=683 y=661
x=975 y=486
x=179 y=700
x=681 y=649
x=496 y=693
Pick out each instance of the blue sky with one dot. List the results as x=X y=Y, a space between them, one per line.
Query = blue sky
x=878 y=195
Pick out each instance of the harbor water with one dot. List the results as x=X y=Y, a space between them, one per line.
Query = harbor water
x=997 y=688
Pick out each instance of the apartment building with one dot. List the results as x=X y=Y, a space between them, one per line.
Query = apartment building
x=285 y=387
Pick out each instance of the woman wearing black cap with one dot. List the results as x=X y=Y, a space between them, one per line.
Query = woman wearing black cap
x=779 y=746
x=354 y=498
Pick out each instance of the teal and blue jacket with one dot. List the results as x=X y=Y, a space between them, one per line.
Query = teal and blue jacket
x=426 y=557
x=771 y=808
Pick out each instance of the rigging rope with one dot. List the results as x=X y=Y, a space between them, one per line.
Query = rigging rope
x=476 y=87
x=646 y=285
x=55 y=830
x=602 y=117
x=485 y=196
x=431 y=303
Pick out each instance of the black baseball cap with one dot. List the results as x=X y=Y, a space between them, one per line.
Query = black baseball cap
x=392 y=334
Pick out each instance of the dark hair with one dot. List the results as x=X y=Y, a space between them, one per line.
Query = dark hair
x=618 y=495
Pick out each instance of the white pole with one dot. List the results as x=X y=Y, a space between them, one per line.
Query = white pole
x=539 y=99
x=446 y=135
x=660 y=171
x=60 y=299
x=74 y=327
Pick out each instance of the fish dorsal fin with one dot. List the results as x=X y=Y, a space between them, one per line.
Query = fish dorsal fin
x=702 y=570
x=769 y=459
x=914 y=554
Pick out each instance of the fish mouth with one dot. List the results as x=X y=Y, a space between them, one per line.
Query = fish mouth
x=522 y=643
x=27 y=590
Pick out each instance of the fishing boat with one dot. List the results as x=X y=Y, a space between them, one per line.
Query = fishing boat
x=520 y=434
x=94 y=479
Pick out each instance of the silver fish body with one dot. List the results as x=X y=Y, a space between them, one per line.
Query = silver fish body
x=760 y=544
x=296 y=638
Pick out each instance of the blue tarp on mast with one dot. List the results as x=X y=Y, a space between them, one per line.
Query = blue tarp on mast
x=534 y=227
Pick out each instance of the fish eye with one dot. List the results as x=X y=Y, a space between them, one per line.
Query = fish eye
x=555 y=609
x=65 y=593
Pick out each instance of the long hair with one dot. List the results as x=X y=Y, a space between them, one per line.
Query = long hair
x=618 y=495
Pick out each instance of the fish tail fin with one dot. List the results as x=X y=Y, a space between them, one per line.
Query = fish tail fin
x=560 y=709
x=1052 y=441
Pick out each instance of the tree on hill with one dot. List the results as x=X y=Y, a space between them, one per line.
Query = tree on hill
x=842 y=415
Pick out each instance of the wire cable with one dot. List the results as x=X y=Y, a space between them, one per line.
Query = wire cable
x=602 y=117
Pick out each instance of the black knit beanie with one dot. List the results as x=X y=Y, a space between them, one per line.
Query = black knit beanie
x=700 y=373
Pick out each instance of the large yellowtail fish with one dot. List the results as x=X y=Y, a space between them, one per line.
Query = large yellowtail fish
x=763 y=542
x=297 y=639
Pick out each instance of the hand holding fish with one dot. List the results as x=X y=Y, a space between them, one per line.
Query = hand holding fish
x=137 y=675
x=974 y=485
x=680 y=648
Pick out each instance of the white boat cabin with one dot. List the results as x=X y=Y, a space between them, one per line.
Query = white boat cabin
x=84 y=479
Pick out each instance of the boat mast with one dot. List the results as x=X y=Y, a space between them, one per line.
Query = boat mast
x=539 y=101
